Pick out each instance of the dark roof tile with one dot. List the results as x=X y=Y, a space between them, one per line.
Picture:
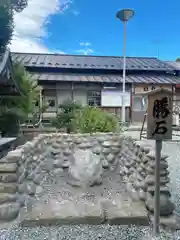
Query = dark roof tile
x=90 y=62
x=143 y=78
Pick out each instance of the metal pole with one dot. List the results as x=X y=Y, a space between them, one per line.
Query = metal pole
x=157 y=188
x=124 y=75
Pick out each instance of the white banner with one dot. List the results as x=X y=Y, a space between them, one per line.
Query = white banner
x=113 y=98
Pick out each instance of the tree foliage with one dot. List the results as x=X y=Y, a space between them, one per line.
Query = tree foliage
x=65 y=115
x=7 y=10
x=15 y=110
x=178 y=60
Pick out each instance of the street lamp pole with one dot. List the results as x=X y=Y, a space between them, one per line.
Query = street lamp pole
x=124 y=75
x=124 y=15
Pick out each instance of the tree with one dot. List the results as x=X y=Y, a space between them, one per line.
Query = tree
x=178 y=60
x=15 y=110
x=7 y=10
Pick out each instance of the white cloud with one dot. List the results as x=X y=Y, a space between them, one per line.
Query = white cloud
x=85 y=51
x=84 y=44
x=30 y=25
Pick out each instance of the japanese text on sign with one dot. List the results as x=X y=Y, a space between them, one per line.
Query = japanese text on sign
x=160 y=113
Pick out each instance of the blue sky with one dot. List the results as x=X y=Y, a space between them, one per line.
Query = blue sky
x=91 y=27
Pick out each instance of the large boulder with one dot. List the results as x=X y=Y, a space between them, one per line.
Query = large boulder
x=86 y=168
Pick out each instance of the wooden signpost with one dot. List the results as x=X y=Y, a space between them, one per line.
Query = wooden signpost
x=159 y=128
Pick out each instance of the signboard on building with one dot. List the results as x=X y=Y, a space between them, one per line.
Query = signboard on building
x=141 y=88
x=159 y=114
x=113 y=98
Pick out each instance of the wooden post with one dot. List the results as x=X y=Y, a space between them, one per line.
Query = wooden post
x=159 y=128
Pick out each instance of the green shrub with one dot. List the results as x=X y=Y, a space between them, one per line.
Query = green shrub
x=91 y=119
x=10 y=122
x=65 y=115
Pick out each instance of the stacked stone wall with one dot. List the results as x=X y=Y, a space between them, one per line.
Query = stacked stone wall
x=46 y=152
x=138 y=172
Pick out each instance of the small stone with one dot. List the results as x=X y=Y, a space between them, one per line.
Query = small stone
x=57 y=163
x=9 y=211
x=139 y=185
x=106 y=151
x=163 y=164
x=142 y=195
x=65 y=164
x=67 y=152
x=30 y=176
x=105 y=164
x=14 y=156
x=150 y=180
x=8 y=167
x=7 y=197
x=47 y=165
x=85 y=145
x=55 y=145
x=166 y=206
x=58 y=171
x=39 y=190
x=107 y=144
x=8 y=177
x=110 y=158
x=8 y=188
x=97 y=150
x=22 y=199
x=28 y=187
x=163 y=189
x=152 y=155
x=37 y=179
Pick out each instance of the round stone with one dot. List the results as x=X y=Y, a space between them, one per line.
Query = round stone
x=166 y=206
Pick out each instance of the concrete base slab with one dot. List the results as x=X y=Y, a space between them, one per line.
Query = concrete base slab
x=126 y=213
x=68 y=212
x=65 y=212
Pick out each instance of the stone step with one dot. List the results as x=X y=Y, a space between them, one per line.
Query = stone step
x=8 y=167
x=7 y=197
x=8 y=177
x=68 y=212
x=9 y=211
x=8 y=188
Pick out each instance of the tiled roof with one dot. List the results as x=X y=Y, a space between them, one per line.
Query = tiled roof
x=9 y=85
x=175 y=65
x=89 y=62
x=162 y=79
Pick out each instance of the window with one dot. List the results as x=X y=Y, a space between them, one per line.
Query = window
x=140 y=103
x=51 y=103
x=94 y=98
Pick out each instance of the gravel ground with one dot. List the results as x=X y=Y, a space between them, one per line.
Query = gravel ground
x=57 y=185
x=85 y=232
x=107 y=232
